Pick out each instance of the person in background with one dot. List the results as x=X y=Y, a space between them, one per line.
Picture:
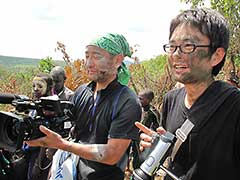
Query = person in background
x=151 y=118
x=150 y=115
x=233 y=79
x=42 y=85
x=59 y=77
x=104 y=112
x=21 y=164
x=196 y=50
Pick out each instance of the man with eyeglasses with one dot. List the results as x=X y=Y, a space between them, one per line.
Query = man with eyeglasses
x=197 y=48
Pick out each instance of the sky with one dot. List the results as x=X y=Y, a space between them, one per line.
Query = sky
x=31 y=28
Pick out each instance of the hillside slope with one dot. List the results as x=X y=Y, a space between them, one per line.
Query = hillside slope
x=12 y=62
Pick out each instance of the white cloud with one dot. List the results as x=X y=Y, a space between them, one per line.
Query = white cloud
x=32 y=28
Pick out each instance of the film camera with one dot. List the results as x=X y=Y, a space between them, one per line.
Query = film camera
x=23 y=123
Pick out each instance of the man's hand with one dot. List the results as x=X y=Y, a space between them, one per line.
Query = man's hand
x=146 y=136
x=52 y=139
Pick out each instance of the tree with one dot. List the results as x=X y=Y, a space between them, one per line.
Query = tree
x=152 y=74
x=230 y=9
x=46 y=64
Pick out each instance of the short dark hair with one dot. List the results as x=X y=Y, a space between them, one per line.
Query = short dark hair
x=210 y=23
x=148 y=94
x=59 y=71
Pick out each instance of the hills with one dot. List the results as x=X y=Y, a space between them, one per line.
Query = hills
x=10 y=62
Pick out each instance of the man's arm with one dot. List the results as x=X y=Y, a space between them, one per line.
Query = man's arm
x=109 y=153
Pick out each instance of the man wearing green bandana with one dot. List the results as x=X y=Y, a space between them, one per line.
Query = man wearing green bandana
x=115 y=44
x=104 y=113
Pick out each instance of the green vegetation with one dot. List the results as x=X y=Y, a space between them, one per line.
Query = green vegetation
x=10 y=62
x=17 y=63
x=155 y=66
x=230 y=9
x=152 y=74
x=16 y=73
x=46 y=64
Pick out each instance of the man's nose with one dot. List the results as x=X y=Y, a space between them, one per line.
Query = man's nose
x=177 y=51
x=89 y=62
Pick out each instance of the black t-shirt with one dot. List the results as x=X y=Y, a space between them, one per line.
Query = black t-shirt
x=212 y=149
x=151 y=117
x=111 y=115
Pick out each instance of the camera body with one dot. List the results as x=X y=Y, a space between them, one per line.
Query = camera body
x=23 y=124
x=156 y=157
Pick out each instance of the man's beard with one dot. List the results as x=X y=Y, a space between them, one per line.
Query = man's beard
x=102 y=76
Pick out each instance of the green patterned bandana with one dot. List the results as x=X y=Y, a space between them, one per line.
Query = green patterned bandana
x=115 y=44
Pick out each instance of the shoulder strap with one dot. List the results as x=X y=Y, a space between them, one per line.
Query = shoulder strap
x=181 y=134
x=115 y=103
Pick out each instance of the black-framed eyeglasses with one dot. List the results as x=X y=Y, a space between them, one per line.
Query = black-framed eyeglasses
x=184 y=48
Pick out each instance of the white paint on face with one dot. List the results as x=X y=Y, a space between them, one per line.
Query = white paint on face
x=100 y=64
x=39 y=88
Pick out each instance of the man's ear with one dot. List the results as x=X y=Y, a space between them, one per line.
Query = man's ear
x=118 y=60
x=217 y=56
